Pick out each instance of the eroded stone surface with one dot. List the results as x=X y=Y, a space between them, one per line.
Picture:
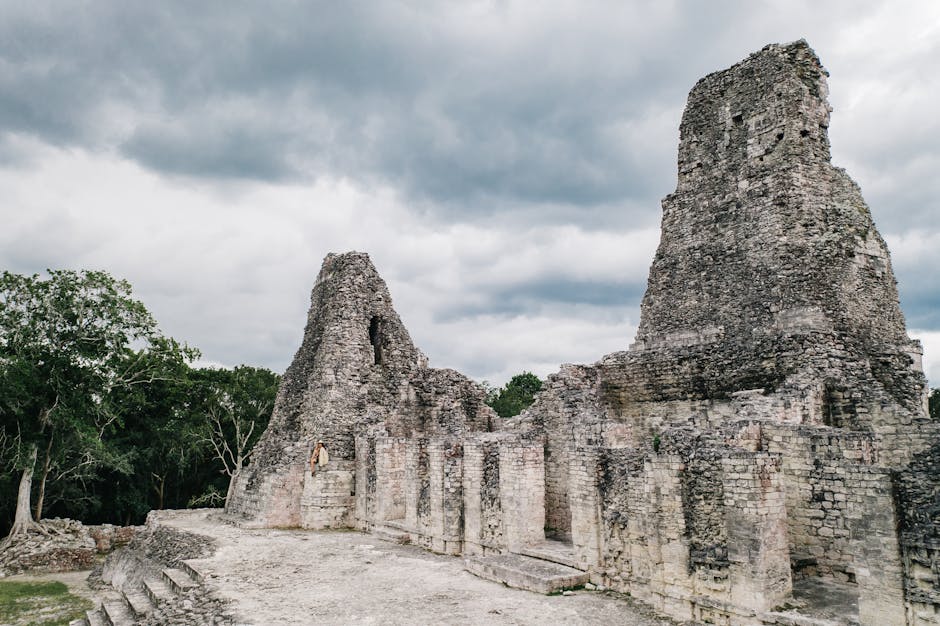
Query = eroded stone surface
x=766 y=430
x=356 y=368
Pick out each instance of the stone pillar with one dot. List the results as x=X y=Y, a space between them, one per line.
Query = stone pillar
x=445 y=463
x=756 y=520
x=584 y=500
x=666 y=536
x=472 y=501
x=416 y=479
x=522 y=492
x=389 y=478
x=365 y=481
x=874 y=543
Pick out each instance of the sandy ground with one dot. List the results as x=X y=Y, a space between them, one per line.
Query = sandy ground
x=275 y=577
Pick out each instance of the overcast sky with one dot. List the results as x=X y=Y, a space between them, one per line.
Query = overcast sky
x=501 y=162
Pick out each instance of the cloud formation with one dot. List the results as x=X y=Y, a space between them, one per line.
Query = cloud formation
x=501 y=161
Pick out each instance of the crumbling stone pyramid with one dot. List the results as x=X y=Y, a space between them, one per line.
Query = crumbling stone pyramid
x=356 y=368
x=764 y=438
x=770 y=274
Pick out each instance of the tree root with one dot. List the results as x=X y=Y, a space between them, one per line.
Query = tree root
x=25 y=528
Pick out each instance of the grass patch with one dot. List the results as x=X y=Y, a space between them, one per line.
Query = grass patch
x=48 y=603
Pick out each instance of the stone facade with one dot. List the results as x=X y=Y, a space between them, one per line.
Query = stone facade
x=765 y=435
x=356 y=368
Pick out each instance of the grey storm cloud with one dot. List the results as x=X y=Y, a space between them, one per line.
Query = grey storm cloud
x=396 y=93
x=504 y=118
x=573 y=112
x=547 y=293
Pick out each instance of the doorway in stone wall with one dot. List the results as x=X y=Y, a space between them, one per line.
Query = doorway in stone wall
x=557 y=506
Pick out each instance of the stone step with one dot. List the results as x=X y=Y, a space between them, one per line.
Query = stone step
x=138 y=602
x=116 y=613
x=388 y=533
x=553 y=551
x=95 y=617
x=192 y=571
x=157 y=590
x=178 y=580
x=523 y=572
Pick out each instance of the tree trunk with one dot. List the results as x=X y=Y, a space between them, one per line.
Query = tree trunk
x=46 y=466
x=231 y=483
x=158 y=488
x=23 y=520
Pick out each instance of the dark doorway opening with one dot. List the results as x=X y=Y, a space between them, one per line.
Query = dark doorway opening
x=375 y=338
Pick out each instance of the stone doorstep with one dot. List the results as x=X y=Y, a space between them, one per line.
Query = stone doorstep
x=553 y=551
x=178 y=580
x=786 y=619
x=389 y=533
x=523 y=572
x=397 y=524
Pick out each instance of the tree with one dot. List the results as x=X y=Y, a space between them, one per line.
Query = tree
x=933 y=402
x=70 y=344
x=515 y=396
x=235 y=406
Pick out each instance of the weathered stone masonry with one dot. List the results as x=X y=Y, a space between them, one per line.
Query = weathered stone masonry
x=765 y=433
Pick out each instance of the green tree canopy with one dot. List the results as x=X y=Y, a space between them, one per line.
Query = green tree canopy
x=71 y=345
x=232 y=408
x=516 y=395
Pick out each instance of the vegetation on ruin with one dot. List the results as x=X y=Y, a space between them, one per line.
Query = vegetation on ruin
x=46 y=602
x=103 y=417
x=515 y=396
x=934 y=404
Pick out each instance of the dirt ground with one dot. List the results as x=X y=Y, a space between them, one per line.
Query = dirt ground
x=275 y=577
x=77 y=582
x=45 y=609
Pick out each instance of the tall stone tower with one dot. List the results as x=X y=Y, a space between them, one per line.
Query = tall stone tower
x=356 y=369
x=770 y=274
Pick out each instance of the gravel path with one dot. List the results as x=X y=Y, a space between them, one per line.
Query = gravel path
x=275 y=577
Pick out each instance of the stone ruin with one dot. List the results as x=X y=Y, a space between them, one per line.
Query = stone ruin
x=761 y=454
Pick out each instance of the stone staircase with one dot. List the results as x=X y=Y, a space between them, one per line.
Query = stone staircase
x=547 y=568
x=130 y=606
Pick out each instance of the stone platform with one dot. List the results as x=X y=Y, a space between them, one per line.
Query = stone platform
x=525 y=572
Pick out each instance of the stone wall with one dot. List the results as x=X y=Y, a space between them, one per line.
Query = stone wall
x=356 y=369
x=918 y=495
x=453 y=496
x=766 y=429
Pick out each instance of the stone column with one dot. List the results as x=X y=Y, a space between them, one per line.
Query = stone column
x=522 y=492
x=389 y=478
x=446 y=477
x=756 y=520
x=874 y=543
x=416 y=475
x=365 y=481
x=666 y=535
x=472 y=501
x=584 y=500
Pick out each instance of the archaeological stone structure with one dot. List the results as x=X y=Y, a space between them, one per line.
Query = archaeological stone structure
x=761 y=454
